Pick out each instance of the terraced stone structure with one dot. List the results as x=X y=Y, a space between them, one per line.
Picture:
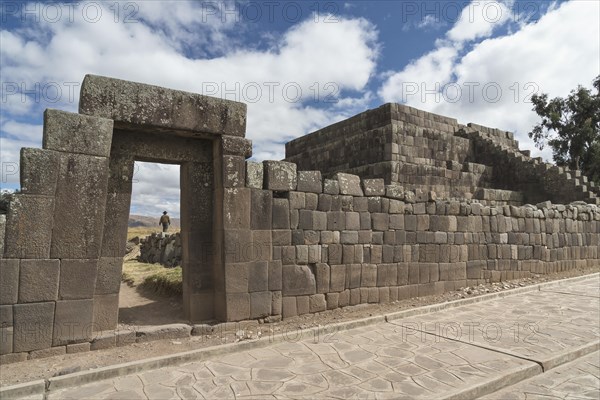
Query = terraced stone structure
x=390 y=204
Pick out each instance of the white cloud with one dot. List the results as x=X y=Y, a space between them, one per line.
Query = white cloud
x=479 y=19
x=177 y=45
x=552 y=55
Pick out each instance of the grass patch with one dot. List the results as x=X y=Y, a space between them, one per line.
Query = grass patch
x=155 y=277
x=167 y=282
x=143 y=231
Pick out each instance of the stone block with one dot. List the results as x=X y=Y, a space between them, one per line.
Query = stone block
x=337 y=281
x=6 y=316
x=29 y=227
x=322 y=272
x=45 y=353
x=6 y=339
x=310 y=181
x=344 y=298
x=373 y=187
x=260 y=304
x=258 y=276
x=236 y=146
x=349 y=184
x=76 y=133
x=298 y=280
x=236 y=208
x=109 y=273
x=280 y=176
x=73 y=321
x=275 y=275
x=336 y=220
x=317 y=303
x=303 y=305
x=368 y=275
x=234 y=171
x=331 y=186
x=352 y=221
x=105 y=312
x=38 y=280
x=261 y=212
x=276 y=303
x=161 y=332
x=39 y=171
x=34 y=324
x=236 y=277
x=281 y=214
x=78 y=348
x=9 y=281
x=387 y=275
x=238 y=306
x=289 y=307
x=254 y=175
x=134 y=103
x=332 y=300
x=380 y=221
x=353 y=278
x=77 y=279
x=355 y=295
x=394 y=192
x=79 y=207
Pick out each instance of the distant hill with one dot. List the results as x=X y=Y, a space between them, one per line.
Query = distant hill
x=137 y=221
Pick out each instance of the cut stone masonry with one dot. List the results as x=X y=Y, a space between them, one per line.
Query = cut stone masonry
x=390 y=204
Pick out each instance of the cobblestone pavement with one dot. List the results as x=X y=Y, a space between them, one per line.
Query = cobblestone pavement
x=466 y=352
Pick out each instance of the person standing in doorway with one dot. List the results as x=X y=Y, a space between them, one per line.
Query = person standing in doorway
x=165 y=221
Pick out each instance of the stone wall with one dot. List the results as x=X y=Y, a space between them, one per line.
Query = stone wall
x=430 y=152
x=344 y=241
x=165 y=250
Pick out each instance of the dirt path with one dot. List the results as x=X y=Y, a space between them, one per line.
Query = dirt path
x=142 y=307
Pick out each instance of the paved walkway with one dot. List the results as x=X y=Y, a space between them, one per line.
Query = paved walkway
x=464 y=352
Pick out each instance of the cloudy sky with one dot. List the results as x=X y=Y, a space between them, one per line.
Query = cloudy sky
x=298 y=65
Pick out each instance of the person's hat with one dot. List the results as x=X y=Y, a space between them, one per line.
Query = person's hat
x=164 y=212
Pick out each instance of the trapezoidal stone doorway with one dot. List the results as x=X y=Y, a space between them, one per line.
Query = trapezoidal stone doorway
x=199 y=133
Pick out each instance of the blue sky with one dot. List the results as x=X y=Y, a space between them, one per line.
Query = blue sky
x=300 y=65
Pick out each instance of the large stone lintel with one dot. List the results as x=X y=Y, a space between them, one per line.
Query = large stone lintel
x=132 y=104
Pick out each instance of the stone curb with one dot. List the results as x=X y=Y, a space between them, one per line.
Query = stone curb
x=509 y=378
x=112 y=371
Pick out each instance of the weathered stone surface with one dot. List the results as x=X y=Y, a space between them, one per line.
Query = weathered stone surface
x=298 y=280
x=261 y=212
x=78 y=348
x=260 y=304
x=236 y=208
x=317 y=303
x=109 y=271
x=171 y=331
x=310 y=181
x=131 y=104
x=33 y=326
x=373 y=187
x=236 y=146
x=234 y=171
x=9 y=281
x=39 y=171
x=238 y=306
x=331 y=186
x=280 y=176
x=258 y=276
x=6 y=339
x=80 y=207
x=29 y=227
x=254 y=175
x=73 y=321
x=349 y=184
x=105 y=312
x=77 y=279
x=38 y=280
x=76 y=133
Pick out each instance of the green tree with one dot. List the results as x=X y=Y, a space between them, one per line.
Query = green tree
x=571 y=127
